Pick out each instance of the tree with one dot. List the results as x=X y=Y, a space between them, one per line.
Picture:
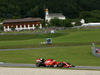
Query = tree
x=41 y=12
x=70 y=8
x=85 y=14
x=95 y=14
x=14 y=10
x=67 y=23
x=92 y=16
x=35 y=12
x=9 y=16
x=44 y=23
x=37 y=27
x=55 y=22
x=12 y=28
x=16 y=17
x=1 y=27
x=28 y=14
x=78 y=23
x=3 y=9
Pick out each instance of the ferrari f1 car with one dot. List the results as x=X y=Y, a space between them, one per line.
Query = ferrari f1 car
x=52 y=63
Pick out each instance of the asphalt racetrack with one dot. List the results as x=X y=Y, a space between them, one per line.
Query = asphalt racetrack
x=33 y=65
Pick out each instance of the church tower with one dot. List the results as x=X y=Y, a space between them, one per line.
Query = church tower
x=47 y=13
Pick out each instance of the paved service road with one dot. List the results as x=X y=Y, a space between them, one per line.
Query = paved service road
x=25 y=49
x=33 y=65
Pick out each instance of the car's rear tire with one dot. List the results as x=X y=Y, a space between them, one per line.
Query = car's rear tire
x=60 y=65
x=38 y=64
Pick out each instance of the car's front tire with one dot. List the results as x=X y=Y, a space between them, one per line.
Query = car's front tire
x=73 y=66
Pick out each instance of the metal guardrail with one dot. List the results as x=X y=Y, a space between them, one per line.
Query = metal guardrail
x=16 y=33
x=94 y=51
x=48 y=30
x=25 y=33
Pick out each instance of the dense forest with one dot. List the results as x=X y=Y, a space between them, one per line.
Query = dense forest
x=87 y=9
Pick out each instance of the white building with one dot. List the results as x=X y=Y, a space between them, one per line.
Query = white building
x=22 y=24
x=82 y=21
x=91 y=24
x=48 y=16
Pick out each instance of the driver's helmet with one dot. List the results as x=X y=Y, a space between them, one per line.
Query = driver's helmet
x=42 y=59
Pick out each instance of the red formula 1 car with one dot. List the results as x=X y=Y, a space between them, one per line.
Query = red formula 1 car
x=52 y=63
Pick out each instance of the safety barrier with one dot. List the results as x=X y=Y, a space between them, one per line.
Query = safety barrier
x=95 y=54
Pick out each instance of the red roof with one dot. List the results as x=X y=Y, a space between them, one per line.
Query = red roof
x=22 y=20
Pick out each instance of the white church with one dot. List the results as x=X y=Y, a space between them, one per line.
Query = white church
x=48 y=16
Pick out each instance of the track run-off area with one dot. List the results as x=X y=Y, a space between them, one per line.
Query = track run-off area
x=3 y=64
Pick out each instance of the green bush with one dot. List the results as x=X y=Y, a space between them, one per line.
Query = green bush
x=1 y=28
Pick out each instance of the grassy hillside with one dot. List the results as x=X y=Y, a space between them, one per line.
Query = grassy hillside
x=72 y=46
x=27 y=36
x=73 y=37
x=77 y=55
x=76 y=35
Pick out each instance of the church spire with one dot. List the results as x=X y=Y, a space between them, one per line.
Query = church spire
x=47 y=13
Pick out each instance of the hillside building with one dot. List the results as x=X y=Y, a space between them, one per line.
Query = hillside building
x=22 y=24
x=48 y=16
x=91 y=24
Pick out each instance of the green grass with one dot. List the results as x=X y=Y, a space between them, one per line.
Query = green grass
x=73 y=45
x=27 y=36
x=25 y=40
x=69 y=37
x=79 y=36
x=77 y=55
